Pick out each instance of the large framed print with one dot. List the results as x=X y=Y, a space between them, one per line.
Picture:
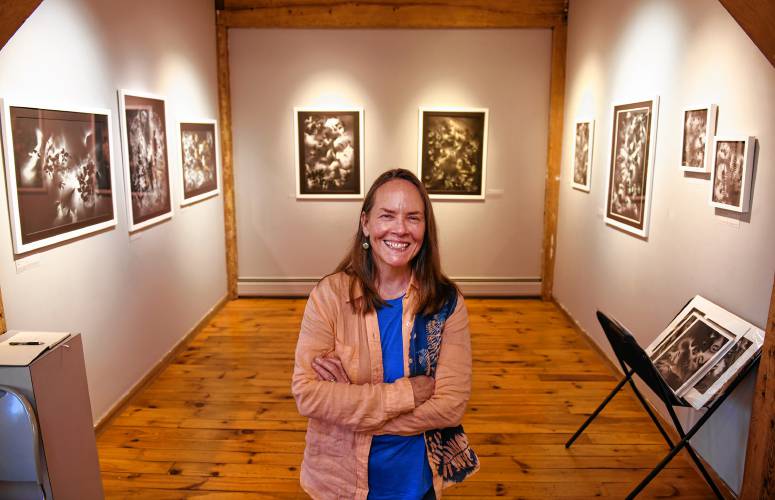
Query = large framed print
x=631 y=166
x=452 y=152
x=329 y=153
x=59 y=173
x=702 y=349
x=146 y=158
x=199 y=160
x=732 y=172
x=584 y=138
x=699 y=125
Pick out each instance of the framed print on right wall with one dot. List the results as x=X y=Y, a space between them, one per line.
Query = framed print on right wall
x=581 y=177
x=732 y=170
x=199 y=160
x=699 y=125
x=631 y=166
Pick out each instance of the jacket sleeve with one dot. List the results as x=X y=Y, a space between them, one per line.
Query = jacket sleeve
x=453 y=382
x=358 y=407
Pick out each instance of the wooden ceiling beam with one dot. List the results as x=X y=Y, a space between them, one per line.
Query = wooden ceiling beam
x=392 y=14
x=13 y=13
x=757 y=18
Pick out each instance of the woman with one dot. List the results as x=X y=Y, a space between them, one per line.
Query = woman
x=383 y=361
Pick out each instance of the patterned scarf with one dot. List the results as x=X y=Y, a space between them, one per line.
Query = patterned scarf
x=450 y=454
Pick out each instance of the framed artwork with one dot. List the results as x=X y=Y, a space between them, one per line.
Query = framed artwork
x=631 y=166
x=199 y=160
x=452 y=156
x=582 y=155
x=732 y=170
x=59 y=173
x=329 y=153
x=702 y=349
x=146 y=159
x=699 y=125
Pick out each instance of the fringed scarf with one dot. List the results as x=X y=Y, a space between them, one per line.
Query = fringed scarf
x=448 y=450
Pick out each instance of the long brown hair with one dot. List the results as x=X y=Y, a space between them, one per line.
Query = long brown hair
x=433 y=286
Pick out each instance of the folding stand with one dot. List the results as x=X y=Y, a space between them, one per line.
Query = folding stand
x=634 y=360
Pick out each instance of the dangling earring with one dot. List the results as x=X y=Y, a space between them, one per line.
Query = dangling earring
x=365 y=244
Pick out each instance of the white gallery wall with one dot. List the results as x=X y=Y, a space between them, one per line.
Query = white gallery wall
x=688 y=53
x=132 y=298
x=390 y=73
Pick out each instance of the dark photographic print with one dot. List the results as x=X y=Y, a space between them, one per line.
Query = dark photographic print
x=722 y=365
x=329 y=156
x=582 y=155
x=732 y=173
x=453 y=152
x=198 y=160
x=59 y=174
x=629 y=176
x=698 y=129
x=668 y=340
x=146 y=160
x=689 y=353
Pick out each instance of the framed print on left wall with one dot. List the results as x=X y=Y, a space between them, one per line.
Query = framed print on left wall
x=631 y=166
x=59 y=173
x=329 y=153
x=581 y=177
x=146 y=158
x=199 y=160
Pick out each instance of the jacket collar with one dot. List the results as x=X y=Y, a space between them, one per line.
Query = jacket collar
x=358 y=292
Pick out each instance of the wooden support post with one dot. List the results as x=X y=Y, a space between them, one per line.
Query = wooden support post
x=759 y=477
x=554 y=156
x=227 y=161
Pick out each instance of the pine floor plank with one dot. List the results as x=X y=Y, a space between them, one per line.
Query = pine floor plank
x=220 y=421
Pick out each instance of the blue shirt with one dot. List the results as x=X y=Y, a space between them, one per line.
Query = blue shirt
x=398 y=465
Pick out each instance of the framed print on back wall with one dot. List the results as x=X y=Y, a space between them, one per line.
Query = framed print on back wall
x=631 y=166
x=581 y=176
x=452 y=152
x=699 y=125
x=329 y=153
x=59 y=173
x=146 y=158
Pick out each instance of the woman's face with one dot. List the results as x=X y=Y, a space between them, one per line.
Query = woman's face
x=395 y=226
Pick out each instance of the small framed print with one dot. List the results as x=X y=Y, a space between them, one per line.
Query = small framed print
x=329 y=153
x=199 y=160
x=731 y=173
x=146 y=158
x=59 y=173
x=631 y=166
x=699 y=125
x=582 y=155
x=452 y=156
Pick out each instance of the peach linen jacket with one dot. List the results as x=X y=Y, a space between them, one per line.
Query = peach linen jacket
x=343 y=418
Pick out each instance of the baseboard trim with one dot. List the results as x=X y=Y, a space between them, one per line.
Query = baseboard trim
x=616 y=370
x=471 y=287
x=156 y=370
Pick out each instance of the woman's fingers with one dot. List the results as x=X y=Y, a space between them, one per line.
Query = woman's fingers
x=321 y=371
x=333 y=366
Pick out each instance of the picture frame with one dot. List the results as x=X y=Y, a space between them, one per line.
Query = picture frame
x=699 y=127
x=702 y=349
x=452 y=152
x=329 y=154
x=59 y=172
x=583 y=145
x=145 y=152
x=732 y=172
x=200 y=161
x=631 y=165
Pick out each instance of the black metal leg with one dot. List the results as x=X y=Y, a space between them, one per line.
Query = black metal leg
x=595 y=413
x=704 y=472
x=651 y=414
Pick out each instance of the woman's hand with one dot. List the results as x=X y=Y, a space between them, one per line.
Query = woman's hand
x=422 y=388
x=330 y=368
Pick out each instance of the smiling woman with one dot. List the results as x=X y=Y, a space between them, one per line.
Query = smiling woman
x=383 y=360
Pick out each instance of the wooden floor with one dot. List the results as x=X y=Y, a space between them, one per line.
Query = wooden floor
x=220 y=422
